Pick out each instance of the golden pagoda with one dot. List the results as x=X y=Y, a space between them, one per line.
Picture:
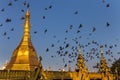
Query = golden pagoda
x=103 y=64
x=24 y=56
x=80 y=61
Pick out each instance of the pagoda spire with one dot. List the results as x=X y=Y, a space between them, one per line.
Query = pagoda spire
x=26 y=34
x=103 y=64
x=79 y=49
x=101 y=51
x=80 y=60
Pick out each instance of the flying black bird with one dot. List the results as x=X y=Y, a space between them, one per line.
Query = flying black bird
x=107 y=24
x=67 y=45
x=78 y=31
x=71 y=26
x=76 y=12
x=80 y=26
x=12 y=29
x=54 y=36
x=28 y=5
x=45 y=30
x=5 y=33
x=65 y=65
x=47 y=50
x=107 y=5
x=115 y=45
x=52 y=56
x=35 y=32
x=1 y=25
x=10 y=4
x=52 y=45
x=22 y=18
x=24 y=3
x=66 y=31
x=8 y=37
x=46 y=9
x=50 y=7
x=3 y=9
x=94 y=29
x=8 y=20
x=106 y=45
x=43 y=17
x=22 y=10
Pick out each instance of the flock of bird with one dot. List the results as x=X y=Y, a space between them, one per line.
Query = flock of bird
x=66 y=49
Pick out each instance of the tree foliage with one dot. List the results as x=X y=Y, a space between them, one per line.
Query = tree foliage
x=116 y=67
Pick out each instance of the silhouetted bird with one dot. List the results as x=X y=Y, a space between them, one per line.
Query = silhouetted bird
x=22 y=10
x=52 y=45
x=66 y=31
x=28 y=5
x=10 y=4
x=65 y=65
x=46 y=9
x=5 y=33
x=67 y=45
x=43 y=17
x=71 y=26
x=35 y=32
x=45 y=30
x=8 y=37
x=12 y=29
x=24 y=3
x=3 y=9
x=8 y=20
x=94 y=29
x=22 y=18
x=80 y=26
x=47 y=50
x=76 y=12
x=50 y=6
x=107 y=24
x=78 y=31
x=108 y=5
x=1 y=25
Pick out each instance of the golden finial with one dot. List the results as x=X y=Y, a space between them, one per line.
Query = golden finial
x=79 y=49
x=101 y=51
x=26 y=35
x=27 y=15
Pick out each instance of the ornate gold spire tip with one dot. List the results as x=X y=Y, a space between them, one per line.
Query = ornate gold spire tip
x=101 y=51
x=27 y=12
x=79 y=49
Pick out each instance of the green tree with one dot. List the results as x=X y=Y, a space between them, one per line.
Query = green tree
x=115 y=68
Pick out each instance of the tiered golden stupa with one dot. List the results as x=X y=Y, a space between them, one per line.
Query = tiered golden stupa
x=24 y=56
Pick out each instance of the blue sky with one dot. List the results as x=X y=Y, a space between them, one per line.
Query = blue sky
x=90 y=13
